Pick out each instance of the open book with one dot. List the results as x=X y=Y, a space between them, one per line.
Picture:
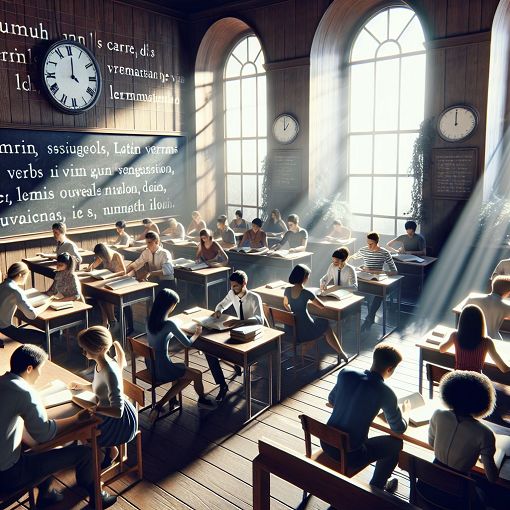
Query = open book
x=56 y=393
x=61 y=305
x=365 y=275
x=278 y=284
x=421 y=409
x=402 y=257
x=101 y=274
x=247 y=249
x=36 y=297
x=189 y=264
x=279 y=253
x=335 y=292
x=213 y=323
x=177 y=242
x=121 y=282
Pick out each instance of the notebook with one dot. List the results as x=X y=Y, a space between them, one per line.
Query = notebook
x=61 y=305
x=120 y=283
x=56 y=393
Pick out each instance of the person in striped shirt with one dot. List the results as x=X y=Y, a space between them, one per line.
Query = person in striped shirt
x=374 y=259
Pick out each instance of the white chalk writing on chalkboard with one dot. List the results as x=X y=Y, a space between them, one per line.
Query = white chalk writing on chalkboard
x=286 y=170
x=454 y=172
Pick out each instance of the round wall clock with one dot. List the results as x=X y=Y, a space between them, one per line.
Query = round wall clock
x=456 y=123
x=71 y=77
x=285 y=128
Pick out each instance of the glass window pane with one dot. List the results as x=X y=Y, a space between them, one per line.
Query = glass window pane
x=249 y=156
x=401 y=226
x=413 y=38
x=384 y=195
x=360 y=154
x=262 y=143
x=231 y=212
x=249 y=191
x=385 y=154
x=260 y=198
x=361 y=223
x=253 y=48
x=241 y=50
x=233 y=151
x=412 y=92
x=399 y=18
x=234 y=189
x=262 y=106
x=362 y=102
x=388 y=49
x=233 y=68
x=360 y=194
x=405 y=185
x=385 y=226
x=378 y=26
x=249 y=106
x=364 y=47
x=405 y=152
x=249 y=69
x=233 y=109
x=386 y=95
x=249 y=213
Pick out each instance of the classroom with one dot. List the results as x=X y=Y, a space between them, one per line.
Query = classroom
x=254 y=254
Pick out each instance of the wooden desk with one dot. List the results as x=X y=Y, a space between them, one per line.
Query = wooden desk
x=205 y=278
x=429 y=352
x=415 y=275
x=385 y=289
x=46 y=267
x=185 y=251
x=136 y=293
x=505 y=326
x=131 y=253
x=51 y=321
x=219 y=344
x=339 y=311
x=84 y=431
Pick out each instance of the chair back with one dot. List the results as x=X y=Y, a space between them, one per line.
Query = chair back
x=134 y=393
x=434 y=375
x=141 y=350
x=267 y=315
x=283 y=317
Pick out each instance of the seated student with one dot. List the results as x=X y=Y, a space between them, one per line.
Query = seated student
x=295 y=300
x=119 y=419
x=411 y=242
x=157 y=261
x=66 y=285
x=22 y=409
x=457 y=434
x=274 y=224
x=494 y=309
x=255 y=237
x=114 y=262
x=12 y=297
x=502 y=268
x=64 y=245
x=149 y=226
x=374 y=258
x=238 y=224
x=338 y=231
x=472 y=343
x=161 y=329
x=175 y=229
x=224 y=234
x=124 y=240
x=296 y=237
x=197 y=224
x=209 y=251
x=341 y=273
x=357 y=399
x=248 y=308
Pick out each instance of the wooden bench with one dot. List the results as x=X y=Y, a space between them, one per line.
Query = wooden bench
x=328 y=485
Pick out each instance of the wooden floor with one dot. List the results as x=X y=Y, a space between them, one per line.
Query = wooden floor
x=201 y=459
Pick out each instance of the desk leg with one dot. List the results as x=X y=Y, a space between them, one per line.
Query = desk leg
x=270 y=379
x=247 y=388
x=420 y=371
x=206 y=287
x=399 y=298
x=48 y=339
x=384 y=314
x=97 y=471
x=86 y=319
x=279 y=370
x=358 y=330
x=33 y=278
x=122 y=324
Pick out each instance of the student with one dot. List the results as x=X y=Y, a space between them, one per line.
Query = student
x=156 y=260
x=338 y=231
x=124 y=240
x=356 y=399
x=411 y=242
x=494 y=309
x=12 y=297
x=64 y=245
x=502 y=268
x=119 y=419
x=149 y=226
x=175 y=229
x=248 y=308
x=197 y=224
x=296 y=298
x=274 y=224
x=239 y=225
x=458 y=436
x=22 y=410
x=161 y=329
x=66 y=285
x=296 y=237
x=341 y=273
x=209 y=251
x=224 y=234
x=374 y=258
x=114 y=262
x=255 y=237
x=472 y=343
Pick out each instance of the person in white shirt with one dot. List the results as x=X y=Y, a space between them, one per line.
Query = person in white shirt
x=64 y=245
x=502 y=269
x=494 y=309
x=248 y=308
x=342 y=274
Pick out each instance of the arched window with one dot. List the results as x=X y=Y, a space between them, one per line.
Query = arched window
x=386 y=107
x=245 y=127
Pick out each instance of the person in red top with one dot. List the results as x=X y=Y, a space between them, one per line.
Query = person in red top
x=255 y=237
x=472 y=343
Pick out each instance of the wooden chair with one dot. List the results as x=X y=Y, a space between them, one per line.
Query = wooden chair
x=15 y=499
x=119 y=468
x=434 y=375
x=140 y=349
x=434 y=487
x=285 y=318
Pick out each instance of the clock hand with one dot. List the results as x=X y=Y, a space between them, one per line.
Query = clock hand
x=73 y=77
x=285 y=125
x=456 y=111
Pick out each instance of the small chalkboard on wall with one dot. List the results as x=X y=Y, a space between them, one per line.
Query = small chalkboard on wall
x=454 y=172
x=87 y=178
x=286 y=170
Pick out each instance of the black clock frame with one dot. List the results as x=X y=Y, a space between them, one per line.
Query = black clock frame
x=472 y=109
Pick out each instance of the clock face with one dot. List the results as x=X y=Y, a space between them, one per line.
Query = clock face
x=285 y=128
x=71 y=77
x=457 y=123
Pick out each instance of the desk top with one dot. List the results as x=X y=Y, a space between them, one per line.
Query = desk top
x=427 y=261
x=100 y=285
x=261 y=256
x=203 y=272
x=387 y=282
x=50 y=314
x=334 y=243
x=458 y=308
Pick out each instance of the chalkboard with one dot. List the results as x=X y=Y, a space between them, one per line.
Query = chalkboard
x=286 y=170
x=86 y=179
x=454 y=172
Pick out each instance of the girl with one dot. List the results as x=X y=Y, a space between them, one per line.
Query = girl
x=160 y=330
x=238 y=224
x=209 y=251
x=275 y=224
x=197 y=224
x=120 y=420
x=296 y=299
x=66 y=283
